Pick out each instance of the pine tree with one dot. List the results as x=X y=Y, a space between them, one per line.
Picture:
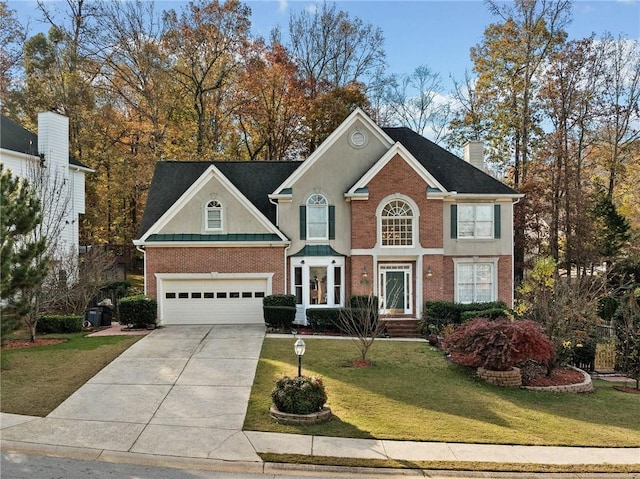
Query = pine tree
x=22 y=260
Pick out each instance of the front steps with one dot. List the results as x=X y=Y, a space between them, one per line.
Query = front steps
x=402 y=327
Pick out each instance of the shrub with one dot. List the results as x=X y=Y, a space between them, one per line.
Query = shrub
x=299 y=395
x=584 y=355
x=490 y=313
x=500 y=344
x=530 y=370
x=323 y=319
x=438 y=314
x=60 y=324
x=139 y=311
x=279 y=310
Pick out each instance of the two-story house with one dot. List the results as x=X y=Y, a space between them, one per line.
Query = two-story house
x=373 y=210
x=44 y=160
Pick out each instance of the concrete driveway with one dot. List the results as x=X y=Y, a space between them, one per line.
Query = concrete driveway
x=181 y=391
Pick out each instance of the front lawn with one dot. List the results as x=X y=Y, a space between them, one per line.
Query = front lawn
x=35 y=380
x=412 y=393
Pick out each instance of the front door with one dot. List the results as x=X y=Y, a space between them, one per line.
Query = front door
x=394 y=292
x=395 y=289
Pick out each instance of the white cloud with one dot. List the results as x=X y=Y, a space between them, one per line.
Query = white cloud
x=283 y=5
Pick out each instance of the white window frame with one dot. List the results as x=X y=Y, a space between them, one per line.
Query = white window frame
x=474 y=207
x=475 y=262
x=216 y=208
x=317 y=202
x=413 y=220
x=308 y=262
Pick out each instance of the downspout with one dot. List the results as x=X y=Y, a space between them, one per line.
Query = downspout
x=144 y=262
x=284 y=262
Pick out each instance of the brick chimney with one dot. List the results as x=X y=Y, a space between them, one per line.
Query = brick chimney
x=474 y=154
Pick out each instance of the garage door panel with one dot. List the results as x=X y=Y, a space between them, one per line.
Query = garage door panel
x=213 y=301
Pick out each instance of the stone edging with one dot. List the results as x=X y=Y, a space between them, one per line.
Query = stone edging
x=313 y=418
x=586 y=386
x=510 y=378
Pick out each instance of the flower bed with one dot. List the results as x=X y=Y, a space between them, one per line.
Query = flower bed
x=567 y=380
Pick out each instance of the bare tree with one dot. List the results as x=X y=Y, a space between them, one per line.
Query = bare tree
x=361 y=322
x=53 y=188
x=416 y=101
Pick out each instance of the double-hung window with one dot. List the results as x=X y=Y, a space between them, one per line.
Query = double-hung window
x=475 y=282
x=213 y=216
x=317 y=218
x=475 y=221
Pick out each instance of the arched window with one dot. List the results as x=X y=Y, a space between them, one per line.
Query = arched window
x=397 y=224
x=317 y=217
x=213 y=216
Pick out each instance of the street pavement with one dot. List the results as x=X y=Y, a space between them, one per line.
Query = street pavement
x=179 y=396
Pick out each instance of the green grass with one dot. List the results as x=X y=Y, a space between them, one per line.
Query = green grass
x=34 y=381
x=412 y=393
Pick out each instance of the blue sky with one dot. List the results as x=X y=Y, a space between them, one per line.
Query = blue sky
x=436 y=33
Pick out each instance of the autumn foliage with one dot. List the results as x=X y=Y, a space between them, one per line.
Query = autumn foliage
x=500 y=344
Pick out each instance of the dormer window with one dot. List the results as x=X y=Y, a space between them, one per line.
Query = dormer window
x=213 y=216
x=317 y=217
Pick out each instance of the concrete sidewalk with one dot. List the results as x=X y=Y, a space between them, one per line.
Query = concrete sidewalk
x=179 y=397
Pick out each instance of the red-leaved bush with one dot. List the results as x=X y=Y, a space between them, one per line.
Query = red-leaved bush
x=499 y=345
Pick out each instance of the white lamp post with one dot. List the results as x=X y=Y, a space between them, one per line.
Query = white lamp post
x=299 y=349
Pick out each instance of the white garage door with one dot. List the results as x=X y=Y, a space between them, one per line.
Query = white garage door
x=212 y=301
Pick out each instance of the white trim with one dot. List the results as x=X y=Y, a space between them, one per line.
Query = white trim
x=415 y=224
x=476 y=260
x=222 y=244
x=208 y=209
x=357 y=114
x=454 y=196
x=324 y=206
x=162 y=277
x=408 y=300
x=382 y=253
x=207 y=175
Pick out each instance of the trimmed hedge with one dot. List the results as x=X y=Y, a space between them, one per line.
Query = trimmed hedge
x=139 y=311
x=441 y=313
x=324 y=319
x=492 y=313
x=279 y=310
x=59 y=324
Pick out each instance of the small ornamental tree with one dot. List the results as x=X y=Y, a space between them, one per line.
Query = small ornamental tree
x=360 y=322
x=499 y=345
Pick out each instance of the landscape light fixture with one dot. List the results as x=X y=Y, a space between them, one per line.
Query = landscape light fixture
x=299 y=349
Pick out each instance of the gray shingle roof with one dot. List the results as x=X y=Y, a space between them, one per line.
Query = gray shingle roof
x=452 y=172
x=258 y=179
x=14 y=137
x=255 y=179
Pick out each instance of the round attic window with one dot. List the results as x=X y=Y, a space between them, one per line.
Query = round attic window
x=358 y=139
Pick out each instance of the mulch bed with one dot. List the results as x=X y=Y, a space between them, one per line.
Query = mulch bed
x=559 y=377
x=25 y=343
x=627 y=389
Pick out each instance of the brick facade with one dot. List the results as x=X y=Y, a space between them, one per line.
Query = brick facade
x=215 y=259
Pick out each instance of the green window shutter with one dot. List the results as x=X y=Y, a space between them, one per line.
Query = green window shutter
x=303 y=222
x=332 y=222
x=496 y=221
x=454 y=221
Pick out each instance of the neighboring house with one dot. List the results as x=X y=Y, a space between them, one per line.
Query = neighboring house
x=47 y=154
x=373 y=210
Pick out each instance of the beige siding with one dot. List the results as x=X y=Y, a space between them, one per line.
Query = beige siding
x=236 y=217
x=332 y=175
